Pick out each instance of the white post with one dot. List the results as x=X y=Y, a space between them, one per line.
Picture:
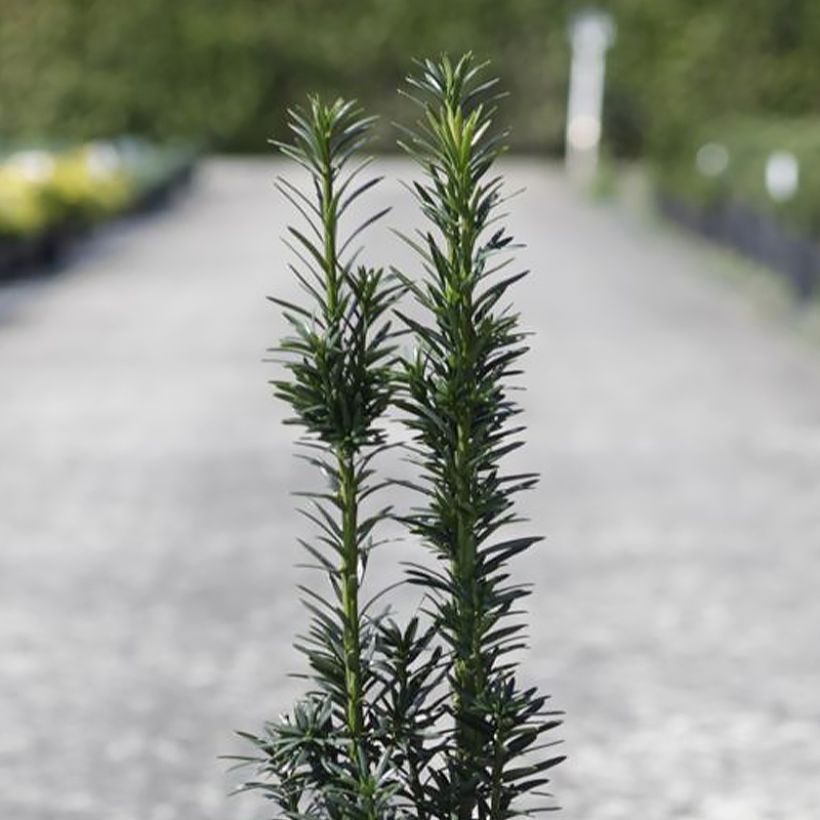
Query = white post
x=591 y=34
x=782 y=175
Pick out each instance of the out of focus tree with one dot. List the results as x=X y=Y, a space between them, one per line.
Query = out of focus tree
x=680 y=63
x=225 y=70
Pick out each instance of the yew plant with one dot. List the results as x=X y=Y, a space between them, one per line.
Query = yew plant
x=426 y=719
x=456 y=397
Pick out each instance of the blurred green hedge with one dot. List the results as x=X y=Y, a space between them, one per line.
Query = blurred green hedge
x=224 y=70
x=680 y=63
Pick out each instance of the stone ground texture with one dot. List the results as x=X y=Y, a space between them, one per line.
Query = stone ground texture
x=147 y=597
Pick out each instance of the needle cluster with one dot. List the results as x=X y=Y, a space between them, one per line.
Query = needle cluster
x=455 y=393
x=425 y=720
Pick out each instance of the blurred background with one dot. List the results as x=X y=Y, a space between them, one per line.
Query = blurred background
x=147 y=540
x=222 y=72
x=738 y=78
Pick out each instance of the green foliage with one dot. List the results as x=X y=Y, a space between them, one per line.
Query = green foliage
x=226 y=70
x=329 y=758
x=425 y=720
x=679 y=64
x=89 y=69
x=458 y=407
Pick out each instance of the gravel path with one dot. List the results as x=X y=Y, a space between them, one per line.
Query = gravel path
x=148 y=542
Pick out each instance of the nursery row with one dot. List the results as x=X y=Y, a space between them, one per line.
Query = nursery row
x=755 y=185
x=50 y=196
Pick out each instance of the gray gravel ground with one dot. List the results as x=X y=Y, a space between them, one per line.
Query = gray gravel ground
x=146 y=580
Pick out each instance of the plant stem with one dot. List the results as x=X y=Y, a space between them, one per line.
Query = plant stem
x=468 y=660
x=349 y=572
x=469 y=663
x=329 y=224
x=340 y=361
x=348 y=489
x=458 y=407
x=348 y=492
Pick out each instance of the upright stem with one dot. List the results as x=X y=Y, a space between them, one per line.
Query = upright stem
x=348 y=492
x=469 y=663
x=349 y=571
x=340 y=359
x=329 y=222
